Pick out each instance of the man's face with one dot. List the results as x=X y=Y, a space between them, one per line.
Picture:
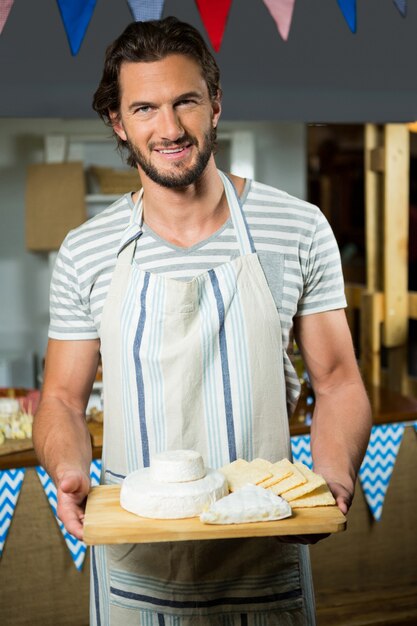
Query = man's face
x=167 y=119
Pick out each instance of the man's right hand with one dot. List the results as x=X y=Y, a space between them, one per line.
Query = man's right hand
x=72 y=490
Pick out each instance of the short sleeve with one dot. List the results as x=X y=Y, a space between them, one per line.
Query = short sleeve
x=70 y=315
x=323 y=277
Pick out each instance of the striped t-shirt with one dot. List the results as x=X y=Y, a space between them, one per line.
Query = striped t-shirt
x=294 y=242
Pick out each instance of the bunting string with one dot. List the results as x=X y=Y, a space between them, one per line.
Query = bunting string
x=76 y=16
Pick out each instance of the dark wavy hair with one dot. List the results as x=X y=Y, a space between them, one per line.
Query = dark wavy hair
x=147 y=42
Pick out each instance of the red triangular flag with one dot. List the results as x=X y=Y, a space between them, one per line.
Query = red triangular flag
x=5 y=8
x=214 y=15
x=281 y=11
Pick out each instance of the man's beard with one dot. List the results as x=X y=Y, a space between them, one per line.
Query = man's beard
x=180 y=178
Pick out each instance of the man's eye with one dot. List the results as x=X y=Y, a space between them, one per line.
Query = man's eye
x=186 y=102
x=143 y=109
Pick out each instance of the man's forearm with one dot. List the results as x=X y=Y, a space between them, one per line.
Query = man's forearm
x=340 y=432
x=61 y=438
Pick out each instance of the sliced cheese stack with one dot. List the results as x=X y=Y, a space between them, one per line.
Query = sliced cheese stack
x=294 y=482
x=176 y=485
x=248 y=504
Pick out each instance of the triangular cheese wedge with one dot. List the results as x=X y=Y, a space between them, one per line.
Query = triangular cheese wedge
x=248 y=504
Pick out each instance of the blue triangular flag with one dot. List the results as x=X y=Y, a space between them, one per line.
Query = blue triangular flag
x=401 y=6
x=301 y=451
x=348 y=8
x=378 y=464
x=145 y=10
x=95 y=471
x=76 y=16
x=76 y=547
x=10 y=486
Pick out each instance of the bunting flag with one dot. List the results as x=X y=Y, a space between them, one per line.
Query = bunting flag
x=145 y=10
x=281 y=11
x=348 y=8
x=214 y=16
x=376 y=469
x=10 y=486
x=5 y=8
x=95 y=471
x=301 y=450
x=401 y=6
x=76 y=547
x=76 y=16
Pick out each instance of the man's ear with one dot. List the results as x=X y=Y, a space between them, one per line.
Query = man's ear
x=216 y=105
x=117 y=125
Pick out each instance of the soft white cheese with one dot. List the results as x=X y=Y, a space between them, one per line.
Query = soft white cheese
x=177 y=466
x=247 y=504
x=143 y=495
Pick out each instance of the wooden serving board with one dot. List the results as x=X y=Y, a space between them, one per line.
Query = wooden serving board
x=106 y=522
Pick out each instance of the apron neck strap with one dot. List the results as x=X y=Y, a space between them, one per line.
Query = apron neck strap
x=134 y=230
x=244 y=238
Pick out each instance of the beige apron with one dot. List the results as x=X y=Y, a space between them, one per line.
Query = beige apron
x=195 y=365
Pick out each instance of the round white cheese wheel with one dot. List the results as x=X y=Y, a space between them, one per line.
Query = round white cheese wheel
x=177 y=466
x=143 y=495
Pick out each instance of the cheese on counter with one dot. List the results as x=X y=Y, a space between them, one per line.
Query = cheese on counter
x=247 y=504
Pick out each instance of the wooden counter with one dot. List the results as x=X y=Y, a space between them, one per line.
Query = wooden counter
x=387 y=407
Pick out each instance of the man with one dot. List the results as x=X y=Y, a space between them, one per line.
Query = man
x=191 y=290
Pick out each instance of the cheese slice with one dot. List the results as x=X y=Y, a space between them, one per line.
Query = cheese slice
x=247 y=504
x=279 y=470
x=313 y=481
x=294 y=480
x=241 y=472
x=322 y=496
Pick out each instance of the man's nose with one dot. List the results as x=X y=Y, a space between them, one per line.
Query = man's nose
x=170 y=126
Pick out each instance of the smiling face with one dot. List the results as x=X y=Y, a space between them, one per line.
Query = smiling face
x=167 y=119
